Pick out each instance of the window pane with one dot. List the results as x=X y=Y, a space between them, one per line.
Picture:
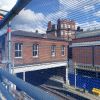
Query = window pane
x=19 y=54
x=20 y=45
x=16 y=53
x=35 y=49
x=63 y=50
x=16 y=46
x=53 y=52
x=18 y=49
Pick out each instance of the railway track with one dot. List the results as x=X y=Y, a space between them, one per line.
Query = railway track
x=61 y=96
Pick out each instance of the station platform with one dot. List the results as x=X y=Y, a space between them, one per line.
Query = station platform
x=76 y=91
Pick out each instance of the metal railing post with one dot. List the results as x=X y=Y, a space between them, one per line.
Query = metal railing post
x=75 y=76
x=9 y=52
x=9 y=47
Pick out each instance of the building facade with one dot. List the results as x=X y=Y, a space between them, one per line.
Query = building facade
x=86 y=53
x=35 y=52
x=30 y=48
x=65 y=29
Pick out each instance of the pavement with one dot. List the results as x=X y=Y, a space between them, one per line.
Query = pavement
x=80 y=92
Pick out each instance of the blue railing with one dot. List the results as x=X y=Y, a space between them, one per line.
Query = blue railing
x=32 y=91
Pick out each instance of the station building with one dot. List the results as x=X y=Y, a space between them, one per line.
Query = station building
x=35 y=53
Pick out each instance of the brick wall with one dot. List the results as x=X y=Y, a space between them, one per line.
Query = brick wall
x=82 y=55
x=97 y=55
x=86 y=55
x=44 y=50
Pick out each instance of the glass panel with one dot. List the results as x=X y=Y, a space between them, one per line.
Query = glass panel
x=35 y=53
x=20 y=46
x=16 y=46
x=53 y=50
x=20 y=54
x=16 y=53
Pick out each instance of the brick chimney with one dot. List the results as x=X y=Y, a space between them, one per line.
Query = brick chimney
x=49 y=25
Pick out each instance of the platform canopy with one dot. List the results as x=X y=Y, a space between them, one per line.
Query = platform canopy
x=10 y=13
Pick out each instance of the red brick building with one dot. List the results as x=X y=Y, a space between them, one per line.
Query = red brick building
x=65 y=29
x=29 y=48
x=35 y=52
x=86 y=52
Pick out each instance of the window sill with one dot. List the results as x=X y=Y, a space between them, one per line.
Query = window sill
x=53 y=56
x=18 y=57
x=35 y=56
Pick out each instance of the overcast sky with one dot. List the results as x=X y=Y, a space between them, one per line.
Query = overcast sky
x=36 y=15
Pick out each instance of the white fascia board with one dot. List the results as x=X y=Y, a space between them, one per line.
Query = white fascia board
x=35 y=67
x=93 y=43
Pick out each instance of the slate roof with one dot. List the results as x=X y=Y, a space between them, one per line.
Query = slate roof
x=26 y=34
x=35 y=35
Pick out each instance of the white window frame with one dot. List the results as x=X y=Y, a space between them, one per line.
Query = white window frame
x=53 y=50
x=62 y=32
x=63 y=50
x=68 y=26
x=35 y=50
x=18 y=50
x=62 y=26
x=65 y=25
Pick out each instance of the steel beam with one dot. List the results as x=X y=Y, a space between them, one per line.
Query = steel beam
x=15 y=10
x=6 y=93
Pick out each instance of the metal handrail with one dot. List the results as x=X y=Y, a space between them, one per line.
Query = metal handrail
x=15 y=10
x=5 y=92
x=29 y=89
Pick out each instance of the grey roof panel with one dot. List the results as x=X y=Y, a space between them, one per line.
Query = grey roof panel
x=35 y=35
x=26 y=34
x=92 y=33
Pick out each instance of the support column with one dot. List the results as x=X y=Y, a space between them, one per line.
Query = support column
x=75 y=78
x=9 y=53
x=23 y=76
x=67 y=80
x=96 y=74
